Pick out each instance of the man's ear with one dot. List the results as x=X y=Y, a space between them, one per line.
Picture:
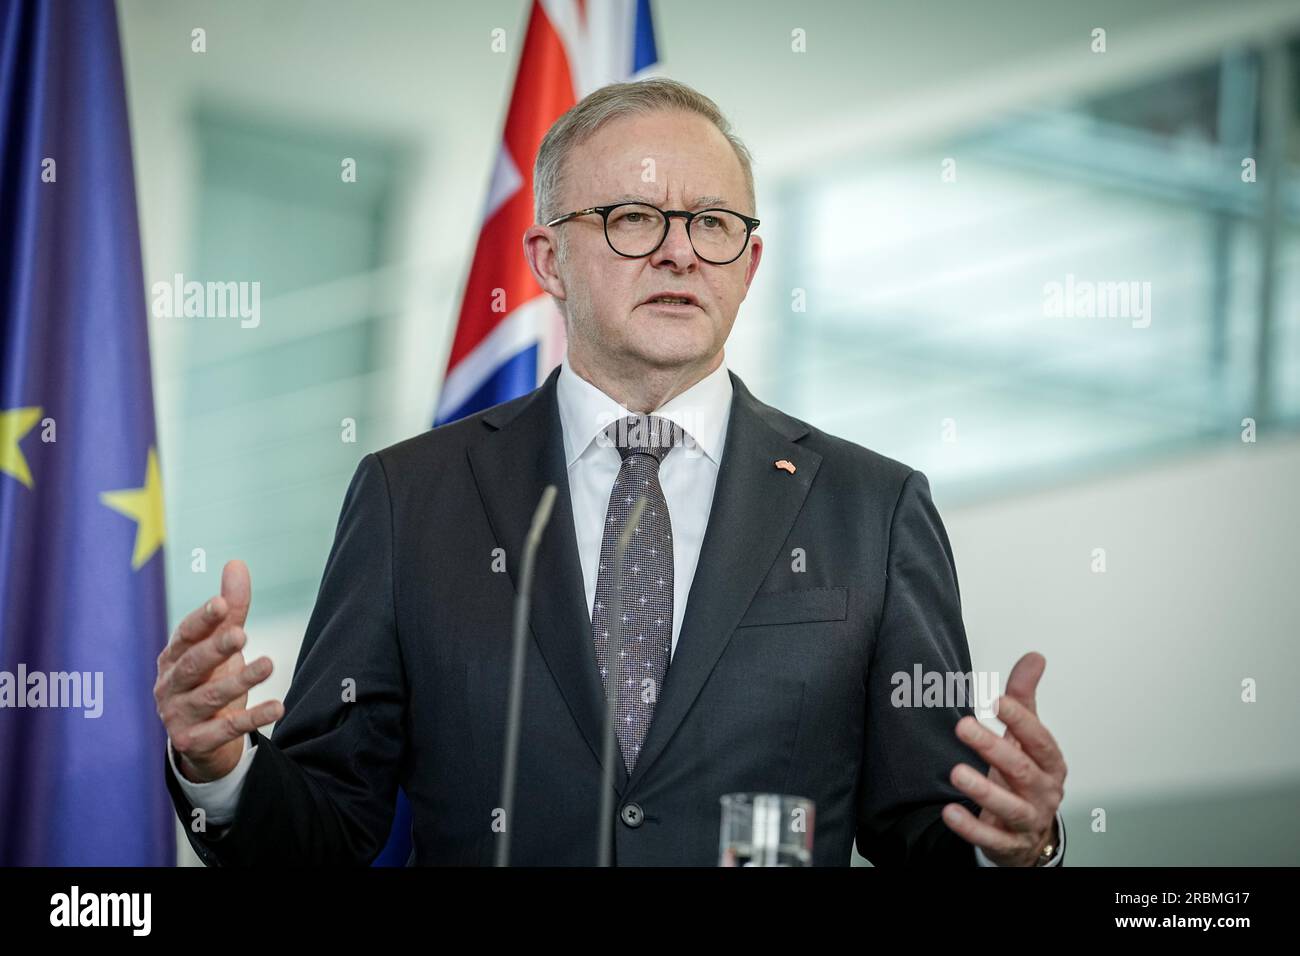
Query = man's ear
x=755 y=252
x=542 y=254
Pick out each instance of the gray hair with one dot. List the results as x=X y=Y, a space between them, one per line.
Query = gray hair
x=609 y=103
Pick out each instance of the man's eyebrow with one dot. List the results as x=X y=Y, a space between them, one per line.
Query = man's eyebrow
x=703 y=202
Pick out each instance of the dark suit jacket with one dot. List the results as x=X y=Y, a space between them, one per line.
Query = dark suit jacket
x=812 y=590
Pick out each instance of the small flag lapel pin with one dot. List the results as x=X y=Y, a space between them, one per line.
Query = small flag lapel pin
x=785 y=465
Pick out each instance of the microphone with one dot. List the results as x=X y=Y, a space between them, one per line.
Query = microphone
x=520 y=643
x=611 y=694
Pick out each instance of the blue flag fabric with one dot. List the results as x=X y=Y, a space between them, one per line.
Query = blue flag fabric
x=82 y=601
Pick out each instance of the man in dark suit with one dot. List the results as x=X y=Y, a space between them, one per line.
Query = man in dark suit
x=781 y=585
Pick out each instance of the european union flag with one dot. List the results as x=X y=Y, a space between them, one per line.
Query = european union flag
x=82 y=609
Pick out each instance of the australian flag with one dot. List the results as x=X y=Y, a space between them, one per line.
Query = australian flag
x=82 y=605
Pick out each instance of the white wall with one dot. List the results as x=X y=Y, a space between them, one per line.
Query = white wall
x=1145 y=662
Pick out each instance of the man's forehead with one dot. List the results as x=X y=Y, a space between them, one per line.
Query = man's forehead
x=618 y=158
x=657 y=180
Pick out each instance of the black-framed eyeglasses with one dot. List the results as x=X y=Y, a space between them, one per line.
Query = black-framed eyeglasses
x=635 y=229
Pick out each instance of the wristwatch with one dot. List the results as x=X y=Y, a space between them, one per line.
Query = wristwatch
x=1049 y=849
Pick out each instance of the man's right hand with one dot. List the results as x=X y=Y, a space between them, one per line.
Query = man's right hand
x=202 y=686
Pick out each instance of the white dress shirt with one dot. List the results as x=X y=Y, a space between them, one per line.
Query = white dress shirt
x=687 y=475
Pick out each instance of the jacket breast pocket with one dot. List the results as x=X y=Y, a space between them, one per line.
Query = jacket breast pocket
x=796 y=607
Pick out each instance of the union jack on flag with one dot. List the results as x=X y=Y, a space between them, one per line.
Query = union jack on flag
x=571 y=48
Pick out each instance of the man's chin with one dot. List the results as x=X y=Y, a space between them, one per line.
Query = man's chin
x=665 y=358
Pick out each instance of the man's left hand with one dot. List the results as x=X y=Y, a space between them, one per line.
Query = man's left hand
x=1026 y=779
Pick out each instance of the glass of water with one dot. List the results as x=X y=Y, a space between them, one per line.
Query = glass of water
x=766 y=829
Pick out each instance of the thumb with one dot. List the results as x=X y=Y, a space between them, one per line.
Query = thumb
x=237 y=589
x=1023 y=682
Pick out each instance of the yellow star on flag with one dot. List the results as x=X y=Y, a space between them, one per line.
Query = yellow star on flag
x=14 y=424
x=145 y=507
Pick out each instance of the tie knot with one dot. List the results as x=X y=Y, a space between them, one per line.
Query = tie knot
x=645 y=435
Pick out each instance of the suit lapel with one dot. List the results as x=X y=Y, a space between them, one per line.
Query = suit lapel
x=521 y=456
x=754 y=507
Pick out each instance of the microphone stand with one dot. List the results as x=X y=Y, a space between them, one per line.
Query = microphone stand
x=520 y=643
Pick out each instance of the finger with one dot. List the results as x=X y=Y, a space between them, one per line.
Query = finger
x=196 y=625
x=1015 y=812
x=211 y=734
x=237 y=589
x=1030 y=732
x=208 y=698
x=1023 y=682
x=196 y=664
x=964 y=824
x=1020 y=771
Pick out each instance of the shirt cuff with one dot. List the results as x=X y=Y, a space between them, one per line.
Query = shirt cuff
x=983 y=860
x=216 y=798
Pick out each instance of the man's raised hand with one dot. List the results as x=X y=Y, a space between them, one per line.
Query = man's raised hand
x=1026 y=780
x=202 y=686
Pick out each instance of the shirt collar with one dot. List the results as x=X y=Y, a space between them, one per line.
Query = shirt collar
x=702 y=411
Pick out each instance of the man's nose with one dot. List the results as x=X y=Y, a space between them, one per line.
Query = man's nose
x=676 y=247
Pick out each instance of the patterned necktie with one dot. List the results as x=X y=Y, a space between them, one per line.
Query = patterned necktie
x=647 y=592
